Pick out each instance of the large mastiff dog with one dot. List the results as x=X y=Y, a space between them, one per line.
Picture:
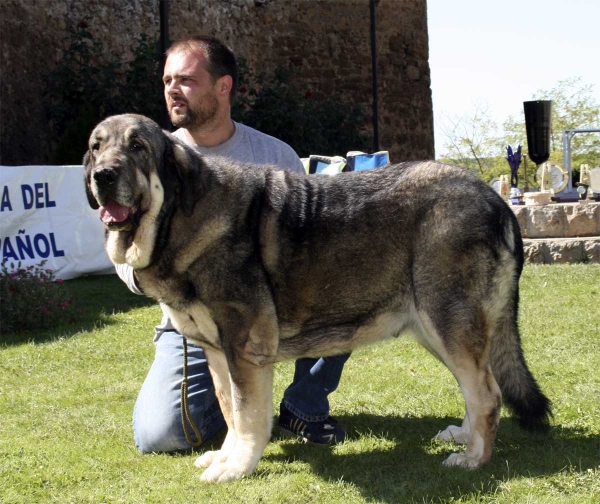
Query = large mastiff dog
x=258 y=265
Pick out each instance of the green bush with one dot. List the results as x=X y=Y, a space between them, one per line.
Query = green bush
x=86 y=88
x=310 y=124
x=32 y=299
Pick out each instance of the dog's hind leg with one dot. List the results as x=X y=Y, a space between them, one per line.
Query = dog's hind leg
x=483 y=401
x=480 y=390
x=457 y=434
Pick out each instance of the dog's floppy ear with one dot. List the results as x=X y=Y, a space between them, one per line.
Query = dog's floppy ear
x=177 y=164
x=87 y=165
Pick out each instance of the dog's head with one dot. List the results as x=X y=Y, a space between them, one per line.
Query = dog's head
x=129 y=162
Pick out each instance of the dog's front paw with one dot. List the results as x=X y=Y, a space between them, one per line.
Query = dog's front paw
x=461 y=460
x=220 y=472
x=207 y=459
x=453 y=433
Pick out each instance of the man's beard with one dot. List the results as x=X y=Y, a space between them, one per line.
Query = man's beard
x=198 y=116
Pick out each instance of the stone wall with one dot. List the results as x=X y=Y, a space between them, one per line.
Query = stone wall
x=325 y=44
x=560 y=233
x=566 y=220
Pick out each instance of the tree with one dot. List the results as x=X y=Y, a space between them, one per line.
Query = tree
x=474 y=140
x=471 y=140
x=573 y=106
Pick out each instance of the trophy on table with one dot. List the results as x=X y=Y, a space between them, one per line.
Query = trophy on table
x=538 y=124
x=514 y=160
x=551 y=177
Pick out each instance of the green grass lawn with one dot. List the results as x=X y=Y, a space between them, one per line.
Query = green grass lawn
x=66 y=399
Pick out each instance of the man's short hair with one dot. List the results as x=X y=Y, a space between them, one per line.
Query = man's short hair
x=220 y=58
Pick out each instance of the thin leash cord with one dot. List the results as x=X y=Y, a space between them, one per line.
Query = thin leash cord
x=186 y=416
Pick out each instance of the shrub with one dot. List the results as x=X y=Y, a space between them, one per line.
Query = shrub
x=31 y=299
x=86 y=88
x=309 y=123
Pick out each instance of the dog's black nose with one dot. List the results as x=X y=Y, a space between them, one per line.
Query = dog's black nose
x=105 y=176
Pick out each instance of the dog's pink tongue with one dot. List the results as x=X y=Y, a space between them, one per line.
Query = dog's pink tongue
x=113 y=212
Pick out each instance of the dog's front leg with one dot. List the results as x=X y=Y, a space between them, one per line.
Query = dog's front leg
x=219 y=371
x=252 y=401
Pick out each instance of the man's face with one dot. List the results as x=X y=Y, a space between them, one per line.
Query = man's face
x=189 y=91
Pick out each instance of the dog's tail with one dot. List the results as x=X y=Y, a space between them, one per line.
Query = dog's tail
x=520 y=391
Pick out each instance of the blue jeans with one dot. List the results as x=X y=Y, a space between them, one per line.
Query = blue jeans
x=314 y=380
x=157 y=425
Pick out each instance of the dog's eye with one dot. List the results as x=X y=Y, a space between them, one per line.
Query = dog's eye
x=95 y=146
x=136 y=146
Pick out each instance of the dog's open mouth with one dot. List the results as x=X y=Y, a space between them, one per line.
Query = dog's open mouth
x=116 y=217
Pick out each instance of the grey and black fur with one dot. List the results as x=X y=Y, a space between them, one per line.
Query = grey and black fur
x=258 y=265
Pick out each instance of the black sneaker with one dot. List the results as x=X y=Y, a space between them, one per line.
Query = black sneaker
x=324 y=432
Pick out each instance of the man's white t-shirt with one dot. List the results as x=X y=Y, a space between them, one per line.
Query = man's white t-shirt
x=248 y=145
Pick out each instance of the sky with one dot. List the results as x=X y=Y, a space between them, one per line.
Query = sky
x=498 y=54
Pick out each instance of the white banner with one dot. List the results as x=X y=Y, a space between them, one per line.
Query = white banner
x=45 y=215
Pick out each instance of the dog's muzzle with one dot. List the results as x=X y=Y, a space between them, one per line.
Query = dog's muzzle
x=104 y=177
x=116 y=214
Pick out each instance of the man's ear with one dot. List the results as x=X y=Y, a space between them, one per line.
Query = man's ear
x=224 y=85
x=87 y=166
x=178 y=167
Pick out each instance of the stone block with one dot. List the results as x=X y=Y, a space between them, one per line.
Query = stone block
x=546 y=221
x=536 y=253
x=592 y=251
x=562 y=250
x=567 y=220
x=583 y=220
x=566 y=252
